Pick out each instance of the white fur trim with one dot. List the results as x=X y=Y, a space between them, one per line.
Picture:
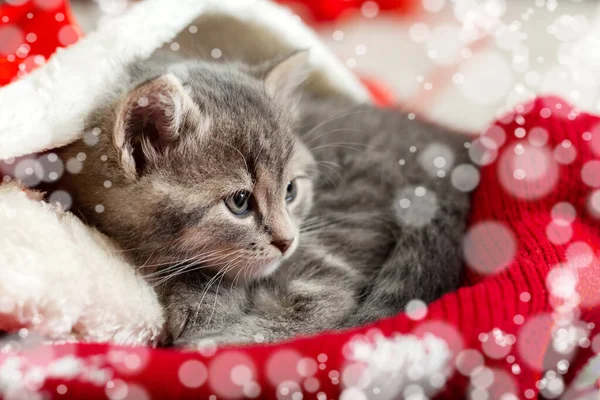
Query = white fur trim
x=394 y=367
x=46 y=108
x=64 y=280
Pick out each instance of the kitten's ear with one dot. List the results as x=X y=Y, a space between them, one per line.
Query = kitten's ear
x=286 y=75
x=149 y=120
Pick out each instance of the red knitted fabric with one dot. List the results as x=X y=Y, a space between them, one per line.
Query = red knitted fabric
x=515 y=301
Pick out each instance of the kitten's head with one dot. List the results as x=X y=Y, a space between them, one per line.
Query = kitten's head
x=201 y=167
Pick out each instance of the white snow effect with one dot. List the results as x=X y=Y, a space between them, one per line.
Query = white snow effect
x=390 y=367
x=20 y=379
x=415 y=206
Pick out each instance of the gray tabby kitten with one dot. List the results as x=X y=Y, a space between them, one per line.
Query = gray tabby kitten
x=260 y=217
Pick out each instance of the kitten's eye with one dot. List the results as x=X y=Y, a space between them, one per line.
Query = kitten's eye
x=238 y=202
x=291 y=191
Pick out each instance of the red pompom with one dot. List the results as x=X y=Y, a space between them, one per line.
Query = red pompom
x=30 y=31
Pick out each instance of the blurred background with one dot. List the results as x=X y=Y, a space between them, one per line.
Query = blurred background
x=459 y=62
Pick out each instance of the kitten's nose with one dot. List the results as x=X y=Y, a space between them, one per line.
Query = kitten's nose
x=282 y=244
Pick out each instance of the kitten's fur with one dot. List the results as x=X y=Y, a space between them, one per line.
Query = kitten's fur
x=360 y=256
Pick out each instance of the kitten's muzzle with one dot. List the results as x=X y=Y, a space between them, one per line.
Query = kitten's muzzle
x=283 y=244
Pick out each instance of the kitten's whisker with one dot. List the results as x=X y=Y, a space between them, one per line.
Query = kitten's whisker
x=205 y=291
x=328 y=132
x=325 y=175
x=315 y=218
x=210 y=255
x=161 y=281
x=238 y=273
x=188 y=268
x=321 y=226
x=147 y=259
x=170 y=263
x=158 y=281
x=334 y=171
x=237 y=150
x=196 y=259
x=345 y=145
x=322 y=219
x=330 y=162
x=331 y=120
x=204 y=258
x=331 y=227
x=218 y=286
x=216 y=256
x=351 y=214
x=185 y=269
x=246 y=270
x=128 y=250
x=216 y=297
x=317 y=225
x=177 y=268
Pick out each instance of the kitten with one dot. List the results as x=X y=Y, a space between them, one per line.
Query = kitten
x=195 y=165
x=204 y=174
x=386 y=227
